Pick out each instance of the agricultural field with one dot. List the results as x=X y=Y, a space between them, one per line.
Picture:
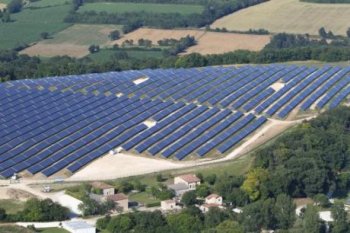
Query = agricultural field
x=30 y=23
x=123 y=7
x=211 y=43
x=73 y=41
x=207 y=42
x=290 y=16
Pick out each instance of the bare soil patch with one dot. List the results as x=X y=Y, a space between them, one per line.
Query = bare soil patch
x=51 y=50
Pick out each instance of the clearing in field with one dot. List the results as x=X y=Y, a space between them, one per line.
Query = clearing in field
x=207 y=42
x=291 y=16
x=123 y=7
x=74 y=41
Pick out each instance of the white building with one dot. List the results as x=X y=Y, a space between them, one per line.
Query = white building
x=190 y=180
x=213 y=200
x=78 y=227
x=168 y=205
x=105 y=188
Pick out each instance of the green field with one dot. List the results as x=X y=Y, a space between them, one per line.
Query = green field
x=29 y=23
x=11 y=206
x=53 y=230
x=5 y=1
x=84 y=34
x=48 y=3
x=121 y=7
x=105 y=54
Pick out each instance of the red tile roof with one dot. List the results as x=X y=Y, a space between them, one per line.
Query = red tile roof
x=101 y=185
x=190 y=178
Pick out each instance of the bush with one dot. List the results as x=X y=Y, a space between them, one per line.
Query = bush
x=154 y=204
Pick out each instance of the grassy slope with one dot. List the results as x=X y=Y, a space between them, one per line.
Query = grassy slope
x=29 y=23
x=47 y=3
x=53 y=230
x=105 y=54
x=122 y=7
x=306 y=17
x=83 y=34
x=14 y=229
x=11 y=206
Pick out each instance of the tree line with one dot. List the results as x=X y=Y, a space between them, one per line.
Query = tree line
x=133 y=20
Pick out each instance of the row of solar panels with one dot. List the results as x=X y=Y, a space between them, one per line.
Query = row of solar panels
x=69 y=130
x=45 y=131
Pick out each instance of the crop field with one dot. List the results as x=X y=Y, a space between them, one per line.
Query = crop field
x=290 y=16
x=73 y=41
x=30 y=23
x=211 y=43
x=122 y=7
x=207 y=42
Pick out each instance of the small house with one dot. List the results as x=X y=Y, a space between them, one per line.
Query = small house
x=214 y=199
x=190 y=180
x=168 y=205
x=121 y=200
x=106 y=189
x=78 y=227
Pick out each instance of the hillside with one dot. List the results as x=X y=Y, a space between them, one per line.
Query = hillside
x=290 y=16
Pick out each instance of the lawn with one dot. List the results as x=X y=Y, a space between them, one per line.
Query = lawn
x=144 y=198
x=122 y=7
x=14 y=229
x=11 y=206
x=30 y=23
x=52 y=230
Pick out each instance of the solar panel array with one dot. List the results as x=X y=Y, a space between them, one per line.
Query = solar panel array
x=66 y=122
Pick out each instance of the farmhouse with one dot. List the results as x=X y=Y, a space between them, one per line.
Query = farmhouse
x=213 y=200
x=190 y=180
x=121 y=200
x=78 y=227
x=179 y=188
x=105 y=188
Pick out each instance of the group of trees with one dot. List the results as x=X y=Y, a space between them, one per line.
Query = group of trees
x=37 y=210
x=310 y=159
x=133 y=20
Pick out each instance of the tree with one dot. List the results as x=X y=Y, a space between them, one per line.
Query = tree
x=94 y=48
x=340 y=224
x=214 y=217
x=44 y=35
x=2 y=214
x=15 y=6
x=191 y=60
x=322 y=200
x=322 y=32
x=253 y=182
x=210 y=179
x=120 y=224
x=229 y=226
x=159 y=178
x=311 y=220
x=114 y=35
x=202 y=190
x=348 y=32
x=184 y=223
x=284 y=211
x=189 y=198
x=102 y=223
